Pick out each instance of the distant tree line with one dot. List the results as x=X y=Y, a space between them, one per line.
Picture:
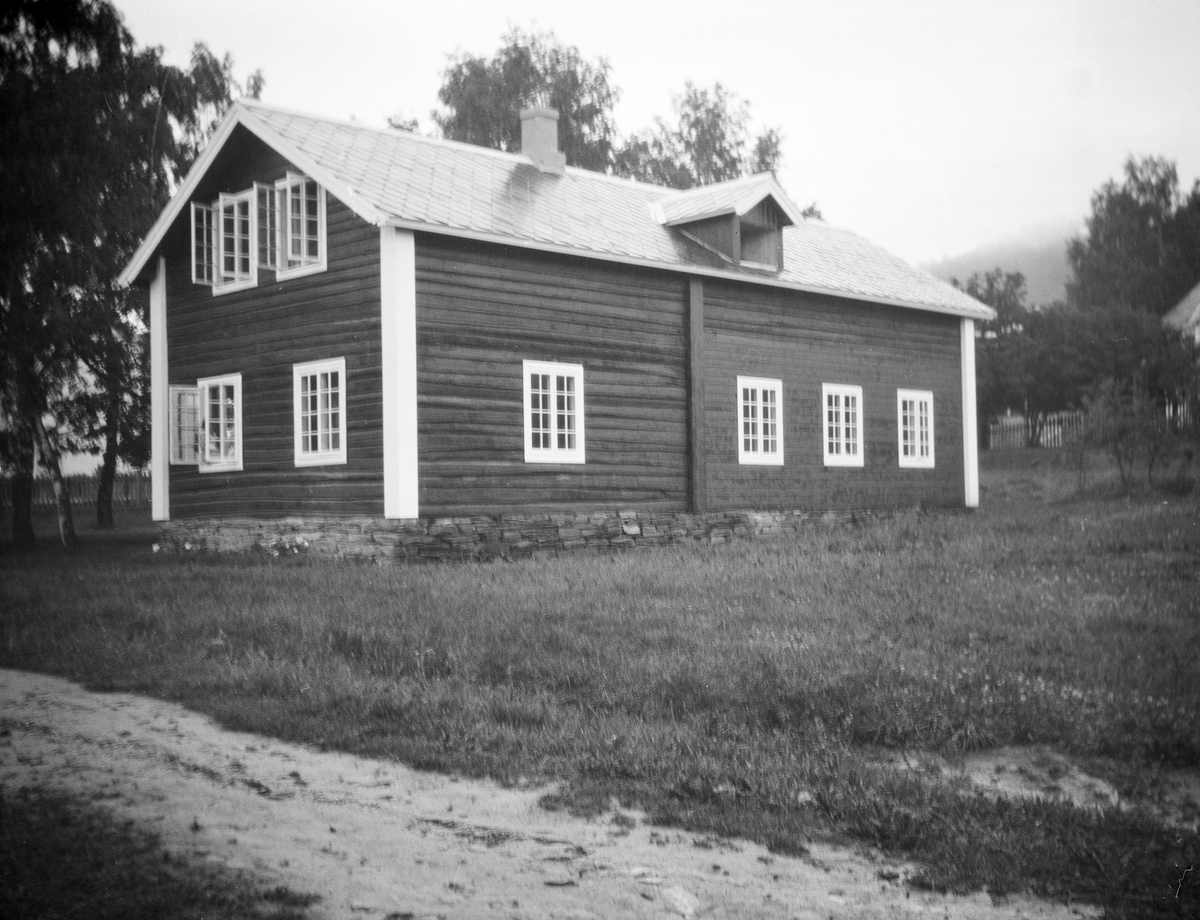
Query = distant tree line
x=707 y=139
x=1105 y=348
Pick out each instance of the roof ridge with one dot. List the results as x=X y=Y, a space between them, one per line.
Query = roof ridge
x=395 y=133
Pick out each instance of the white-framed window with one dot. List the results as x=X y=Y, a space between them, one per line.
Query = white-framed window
x=914 y=420
x=220 y=423
x=237 y=267
x=204 y=244
x=301 y=226
x=843 y=415
x=760 y=410
x=279 y=226
x=553 y=412
x=184 y=425
x=320 y=412
x=267 y=203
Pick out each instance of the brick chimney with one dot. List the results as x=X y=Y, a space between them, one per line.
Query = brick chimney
x=539 y=139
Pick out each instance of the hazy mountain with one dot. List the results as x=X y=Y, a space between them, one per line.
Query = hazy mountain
x=1041 y=256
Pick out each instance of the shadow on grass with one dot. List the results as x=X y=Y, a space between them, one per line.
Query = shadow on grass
x=61 y=856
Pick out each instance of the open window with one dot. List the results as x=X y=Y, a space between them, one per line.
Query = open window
x=220 y=423
x=184 y=425
x=280 y=227
x=237 y=267
x=301 y=226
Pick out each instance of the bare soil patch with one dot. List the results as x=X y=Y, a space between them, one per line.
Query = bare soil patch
x=377 y=839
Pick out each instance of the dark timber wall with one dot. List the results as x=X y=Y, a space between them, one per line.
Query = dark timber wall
x=805 y=340
x=261 y=333
x=481 y=310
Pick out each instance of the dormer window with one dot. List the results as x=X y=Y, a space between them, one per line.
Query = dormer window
x=742 y=220
x=761 y=237
x=279 y=227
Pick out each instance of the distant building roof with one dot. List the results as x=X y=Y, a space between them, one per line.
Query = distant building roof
x=406 y=180
x=1185 y=315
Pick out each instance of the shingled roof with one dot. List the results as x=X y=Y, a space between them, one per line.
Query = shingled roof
x=405 y=180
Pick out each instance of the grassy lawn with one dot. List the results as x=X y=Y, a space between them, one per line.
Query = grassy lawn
x=746 y=689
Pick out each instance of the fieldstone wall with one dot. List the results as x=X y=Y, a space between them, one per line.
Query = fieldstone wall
x=482 y=536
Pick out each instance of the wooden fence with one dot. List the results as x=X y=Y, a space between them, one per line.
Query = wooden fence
x=130 y=490
x=1057 y=430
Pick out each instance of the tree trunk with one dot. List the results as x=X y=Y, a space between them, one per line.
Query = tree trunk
x=62 y=495
x=22 y=488
x=108 y=469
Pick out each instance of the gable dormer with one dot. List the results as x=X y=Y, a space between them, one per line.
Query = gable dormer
x=741 y=220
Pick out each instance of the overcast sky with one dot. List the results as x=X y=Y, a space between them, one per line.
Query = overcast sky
x=928 y=126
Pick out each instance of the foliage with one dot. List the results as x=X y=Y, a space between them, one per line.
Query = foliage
x=98 y=132
x=484 y=98
x=1119 y=363
x=709 y=142
x=1028 y=360
x=1142 y=249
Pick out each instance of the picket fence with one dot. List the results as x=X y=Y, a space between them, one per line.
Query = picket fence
x=130 y=490
x=1057 y=430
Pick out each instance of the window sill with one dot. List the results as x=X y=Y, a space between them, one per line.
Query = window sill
x=231 y=287
x=751 y=460
x=330 y=460
x=844 y=461
x=561 y=459
x=284 y=274
x=233 y=467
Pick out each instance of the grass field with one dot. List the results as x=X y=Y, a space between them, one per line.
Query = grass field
x=746 y=689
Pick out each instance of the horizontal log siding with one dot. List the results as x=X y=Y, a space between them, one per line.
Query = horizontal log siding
x=261 y=333
x=481 y=310
x=805 y=340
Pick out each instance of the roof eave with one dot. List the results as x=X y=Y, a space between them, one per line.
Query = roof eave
x=983 y=313
x=696 y=218
x=179 y=200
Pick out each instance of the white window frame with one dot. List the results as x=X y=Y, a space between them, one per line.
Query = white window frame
x=286 y=266
x=245 y=245
x=184 y=425
x=840 y=446
x=266 y=235
x=553 y=453
x=305 y=456
x=204 y=244
x=233 y=461
x=910 y=451
x=760 y=421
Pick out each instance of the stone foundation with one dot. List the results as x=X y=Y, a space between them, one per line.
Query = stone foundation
x=483 y=537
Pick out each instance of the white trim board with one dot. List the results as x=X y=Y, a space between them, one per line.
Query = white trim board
x=160 y=402
x=970 y=432
x=398 y=332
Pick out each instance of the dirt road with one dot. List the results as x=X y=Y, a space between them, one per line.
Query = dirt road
x=376 y=840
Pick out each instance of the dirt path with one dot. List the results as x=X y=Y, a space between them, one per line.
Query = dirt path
x=375 y=839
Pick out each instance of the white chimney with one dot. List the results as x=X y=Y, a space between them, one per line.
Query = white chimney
x=539 y=139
